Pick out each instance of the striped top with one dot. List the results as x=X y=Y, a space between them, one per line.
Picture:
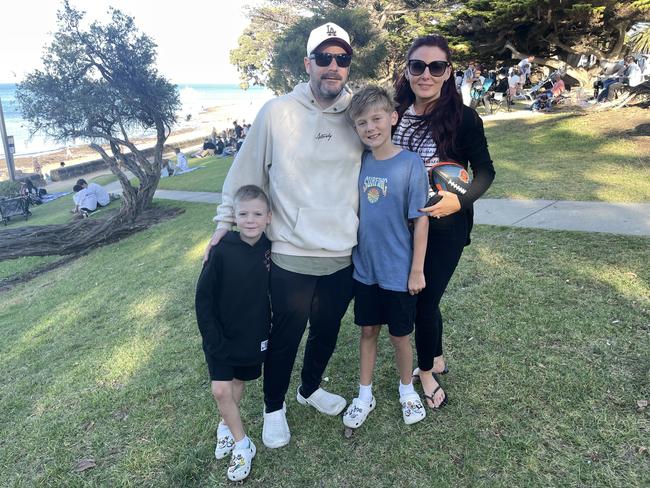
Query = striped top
x=412 y=134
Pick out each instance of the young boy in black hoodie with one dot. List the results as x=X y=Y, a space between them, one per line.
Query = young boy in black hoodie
x=234 y=316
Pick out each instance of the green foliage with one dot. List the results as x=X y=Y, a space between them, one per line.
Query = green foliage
x=562 y=28
x=9 y=188
x=290 y=49
x=640 y=41
x=393 y=24
x=255 y=50
x=98 y=82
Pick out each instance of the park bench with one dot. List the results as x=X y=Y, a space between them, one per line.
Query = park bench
x=11 y=207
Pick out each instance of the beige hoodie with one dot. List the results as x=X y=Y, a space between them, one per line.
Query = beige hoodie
x=307 y=160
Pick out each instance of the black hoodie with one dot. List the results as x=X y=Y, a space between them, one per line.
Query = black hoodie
x=232 y=302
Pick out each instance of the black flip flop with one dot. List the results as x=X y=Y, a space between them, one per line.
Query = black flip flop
x=444 y=401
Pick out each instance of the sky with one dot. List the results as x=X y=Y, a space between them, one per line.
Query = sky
x=194 y=37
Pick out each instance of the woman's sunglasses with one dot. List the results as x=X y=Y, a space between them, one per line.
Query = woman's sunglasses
x=436 y=68
x=325 y=59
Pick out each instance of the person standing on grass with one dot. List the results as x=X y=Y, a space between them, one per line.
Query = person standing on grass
x=233 y=312
x=466 y=84
x=388 y=261
x=524 y=70
x=434 y=123
x=513 y=83
x=303 y=151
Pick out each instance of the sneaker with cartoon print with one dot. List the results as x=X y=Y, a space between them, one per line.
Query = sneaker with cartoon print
x=357 y=412
x=412 y=409
x=225 y=441
x=241 y=462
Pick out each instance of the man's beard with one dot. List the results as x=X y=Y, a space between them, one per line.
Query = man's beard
x=328 y=92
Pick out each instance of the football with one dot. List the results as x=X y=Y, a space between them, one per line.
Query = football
x=451 y=177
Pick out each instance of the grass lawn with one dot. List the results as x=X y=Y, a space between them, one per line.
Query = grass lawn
x=547 y=337
x=598 y=156
x=209 y=178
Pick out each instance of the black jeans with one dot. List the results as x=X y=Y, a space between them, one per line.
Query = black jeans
x=447 y=238
x=296 y=298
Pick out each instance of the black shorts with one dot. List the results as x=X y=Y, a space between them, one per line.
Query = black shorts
x=376 y=306
x=224 y=372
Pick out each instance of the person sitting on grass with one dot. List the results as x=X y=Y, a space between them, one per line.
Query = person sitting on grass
x=166 y=169
x=208 y=149
x=85 y=202
x=233 y=312
x=542 y=102
x=388 y=260
x=181 y=161
x=102 y=196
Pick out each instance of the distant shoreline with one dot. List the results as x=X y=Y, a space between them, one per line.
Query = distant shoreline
x=196 y=100
x=220 y=117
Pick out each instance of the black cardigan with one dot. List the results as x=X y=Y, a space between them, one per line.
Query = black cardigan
x=232 y=302
x=472 y=152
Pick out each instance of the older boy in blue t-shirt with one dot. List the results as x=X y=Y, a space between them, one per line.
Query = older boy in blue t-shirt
x=389 y=258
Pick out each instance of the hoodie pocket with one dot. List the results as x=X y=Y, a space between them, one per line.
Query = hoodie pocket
x=331 y=229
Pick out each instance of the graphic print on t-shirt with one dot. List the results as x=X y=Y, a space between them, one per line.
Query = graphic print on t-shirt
x=375 y=187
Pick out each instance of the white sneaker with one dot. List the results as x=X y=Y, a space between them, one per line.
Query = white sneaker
x=241 y=462
x=412 y=409
x=323 y=401
x=358 y=412
x=275 y=432
x=225 y=441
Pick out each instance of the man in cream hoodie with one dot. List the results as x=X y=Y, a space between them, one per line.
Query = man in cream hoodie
x=302 y=151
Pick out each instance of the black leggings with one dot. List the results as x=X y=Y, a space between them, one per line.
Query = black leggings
x=447 y=238
x=296 y=298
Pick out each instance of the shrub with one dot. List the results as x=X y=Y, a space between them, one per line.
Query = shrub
x=9 y=188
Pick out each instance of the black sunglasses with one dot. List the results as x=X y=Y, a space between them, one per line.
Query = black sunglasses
x=325 y=59
x=436 y=68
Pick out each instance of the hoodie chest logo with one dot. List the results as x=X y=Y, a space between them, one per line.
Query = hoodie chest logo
x=321 y=136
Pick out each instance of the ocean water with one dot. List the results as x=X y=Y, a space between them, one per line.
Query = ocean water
x=194 y=99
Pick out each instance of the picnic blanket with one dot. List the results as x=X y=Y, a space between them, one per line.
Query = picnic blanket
x=189 y=170
x=53 y=196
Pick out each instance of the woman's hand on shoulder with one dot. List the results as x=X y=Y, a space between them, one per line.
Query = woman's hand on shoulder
x=450 y=204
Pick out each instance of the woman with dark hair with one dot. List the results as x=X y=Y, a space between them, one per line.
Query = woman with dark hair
x=434 y=123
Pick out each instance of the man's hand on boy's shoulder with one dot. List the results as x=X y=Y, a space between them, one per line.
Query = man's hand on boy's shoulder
x=214 y=240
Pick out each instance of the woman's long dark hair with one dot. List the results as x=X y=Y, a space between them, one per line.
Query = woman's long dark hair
x=444 y=116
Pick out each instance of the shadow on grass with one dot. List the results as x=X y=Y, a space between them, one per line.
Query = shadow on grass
x=105 y=362
x=560 y=157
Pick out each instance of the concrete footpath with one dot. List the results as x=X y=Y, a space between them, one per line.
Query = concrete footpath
x=613 y=218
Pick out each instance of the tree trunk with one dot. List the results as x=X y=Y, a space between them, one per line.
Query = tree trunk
x=77 y=236
x=134 y=200
x=585 y=77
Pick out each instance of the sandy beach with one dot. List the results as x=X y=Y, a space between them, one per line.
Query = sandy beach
x=186 y=135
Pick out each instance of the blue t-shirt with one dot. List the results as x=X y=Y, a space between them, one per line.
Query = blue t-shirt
x=390 y=193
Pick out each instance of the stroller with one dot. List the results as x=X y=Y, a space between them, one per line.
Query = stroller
x=547 y=83
x=480 y=93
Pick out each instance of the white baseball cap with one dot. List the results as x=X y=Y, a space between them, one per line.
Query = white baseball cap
x=328 y=32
